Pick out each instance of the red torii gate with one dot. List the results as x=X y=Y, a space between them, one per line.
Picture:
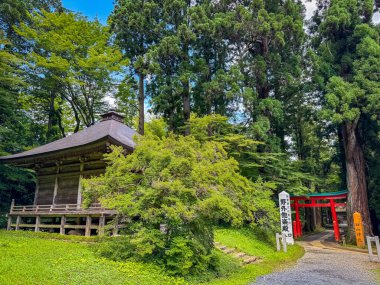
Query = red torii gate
x=314 y=200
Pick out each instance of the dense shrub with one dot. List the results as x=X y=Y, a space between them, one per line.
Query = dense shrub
x=170 y=192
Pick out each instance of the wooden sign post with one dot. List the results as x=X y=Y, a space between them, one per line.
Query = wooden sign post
x=358 y=224
x=286 y=216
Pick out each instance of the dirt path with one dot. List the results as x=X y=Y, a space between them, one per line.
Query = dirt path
x=324 y=264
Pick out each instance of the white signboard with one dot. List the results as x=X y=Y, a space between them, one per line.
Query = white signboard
x=286 y=216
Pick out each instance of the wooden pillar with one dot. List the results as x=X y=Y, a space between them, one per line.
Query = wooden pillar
x=56 y=183
x=36 y=192
x=79 y=198
x=12 y=205
x=102 y=220
x=38 y=222
x=9 y=225
x=18 y=220
x=335 y=220
x=63 y=223
x=88 y=226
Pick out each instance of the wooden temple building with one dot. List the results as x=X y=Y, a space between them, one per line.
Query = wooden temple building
x=59 y=167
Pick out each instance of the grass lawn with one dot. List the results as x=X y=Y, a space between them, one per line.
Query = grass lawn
x=30 y=258
x=27 y=258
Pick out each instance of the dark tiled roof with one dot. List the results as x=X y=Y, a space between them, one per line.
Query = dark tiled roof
x=109 y=128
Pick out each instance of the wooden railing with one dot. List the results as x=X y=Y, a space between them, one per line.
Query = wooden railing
x=57 y=208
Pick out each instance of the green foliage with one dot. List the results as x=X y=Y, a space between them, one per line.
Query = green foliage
x=126 y=100
x=184 y=256
x=172 y=190
x=15 y=12
x=14 y=183
x=268 y=169
x=77 y=68
x=137 y=27
x=342 y=101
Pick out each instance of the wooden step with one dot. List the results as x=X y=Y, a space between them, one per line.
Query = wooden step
x=229 y=250
x=241 y=254
x=250 y=260
x=244 y=257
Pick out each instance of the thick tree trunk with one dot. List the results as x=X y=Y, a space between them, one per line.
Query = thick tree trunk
x=309 y=225
x=61 y=128
x=317 y=217
x=356 y=179
x=262 y=85
x=51 y=111
x=76 y=115
x=141 y=104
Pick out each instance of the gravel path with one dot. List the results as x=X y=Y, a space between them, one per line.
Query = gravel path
x=323 y=264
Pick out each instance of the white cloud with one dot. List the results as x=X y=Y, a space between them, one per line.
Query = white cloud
x=312 y=5
x=310 y=8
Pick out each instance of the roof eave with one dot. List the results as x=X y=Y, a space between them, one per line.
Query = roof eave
x=29 y=160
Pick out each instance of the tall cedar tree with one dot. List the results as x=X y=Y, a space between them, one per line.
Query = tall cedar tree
x=347 y=71
x=268 y=41
x=172 y=65
x=137 y=25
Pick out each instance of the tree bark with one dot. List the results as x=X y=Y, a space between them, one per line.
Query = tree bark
x=317 y=217
x=52 y=120
x=141 y=104
x=51 y=112
x=61 y=128
x=356 y=179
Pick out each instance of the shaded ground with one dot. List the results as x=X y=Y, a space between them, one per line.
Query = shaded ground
x=325 y=264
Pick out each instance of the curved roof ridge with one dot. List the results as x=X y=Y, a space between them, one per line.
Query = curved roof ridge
x=108 y=128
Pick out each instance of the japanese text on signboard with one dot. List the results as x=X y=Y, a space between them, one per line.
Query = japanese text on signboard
x=285 y=215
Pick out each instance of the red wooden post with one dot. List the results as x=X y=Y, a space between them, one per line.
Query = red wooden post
x=295 y=232
x=298 y=222
x=335 y=220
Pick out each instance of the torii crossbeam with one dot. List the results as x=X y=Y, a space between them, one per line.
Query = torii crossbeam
x=316 y=200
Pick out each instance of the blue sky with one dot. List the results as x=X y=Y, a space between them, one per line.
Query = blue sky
x=102 y=8
x=91 y=8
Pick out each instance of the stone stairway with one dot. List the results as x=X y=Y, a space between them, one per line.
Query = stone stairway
x=242 y=256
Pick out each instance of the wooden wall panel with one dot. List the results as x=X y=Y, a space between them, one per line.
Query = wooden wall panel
x=45 y=191
x=67 y=190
